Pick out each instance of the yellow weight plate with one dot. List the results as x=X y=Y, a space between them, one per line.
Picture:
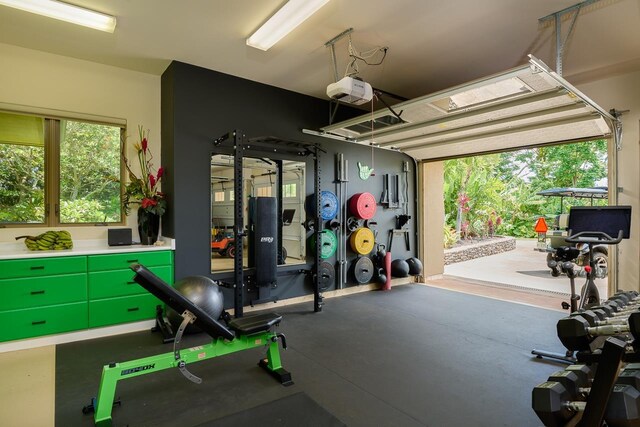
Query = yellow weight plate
x=362 y=241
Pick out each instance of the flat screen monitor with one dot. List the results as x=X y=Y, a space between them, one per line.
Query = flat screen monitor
x=604 y=219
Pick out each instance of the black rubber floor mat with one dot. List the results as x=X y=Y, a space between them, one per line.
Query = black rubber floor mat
x=291 y=411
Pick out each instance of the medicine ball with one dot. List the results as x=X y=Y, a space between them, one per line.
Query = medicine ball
x=201 y=291
x=415 y=266
x=399 y=268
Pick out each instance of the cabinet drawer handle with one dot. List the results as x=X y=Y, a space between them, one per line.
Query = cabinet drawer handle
x=38 y=322
x=133 y=309
x=131 y=283
x=132 y=260
x=37 y=292
x=37 y=267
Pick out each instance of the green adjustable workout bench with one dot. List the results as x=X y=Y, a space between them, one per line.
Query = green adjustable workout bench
x=241 y=334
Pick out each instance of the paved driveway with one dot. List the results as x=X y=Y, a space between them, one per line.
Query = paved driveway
x=523 y=268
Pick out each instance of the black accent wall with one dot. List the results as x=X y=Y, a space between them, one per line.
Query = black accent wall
x=199 y=105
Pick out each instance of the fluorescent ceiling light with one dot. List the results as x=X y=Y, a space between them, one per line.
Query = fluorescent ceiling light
x=65 y=12
x=285 y=20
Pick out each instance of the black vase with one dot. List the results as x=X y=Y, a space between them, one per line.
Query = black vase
x=148 y=227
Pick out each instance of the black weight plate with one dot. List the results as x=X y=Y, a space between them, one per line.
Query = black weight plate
x=326 y=276
x=363 y=270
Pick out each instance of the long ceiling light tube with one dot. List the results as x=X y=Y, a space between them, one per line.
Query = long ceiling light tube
x=285 y=20
x=66 y=12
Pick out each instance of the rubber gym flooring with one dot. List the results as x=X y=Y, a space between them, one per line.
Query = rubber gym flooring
x=414 y=356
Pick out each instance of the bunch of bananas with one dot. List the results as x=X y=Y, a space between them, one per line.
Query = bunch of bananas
x=50 y=240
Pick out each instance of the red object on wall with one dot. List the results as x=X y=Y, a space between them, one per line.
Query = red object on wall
x=363 y=205
x=387 y=267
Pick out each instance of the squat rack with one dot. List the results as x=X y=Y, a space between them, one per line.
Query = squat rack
x=240 y=144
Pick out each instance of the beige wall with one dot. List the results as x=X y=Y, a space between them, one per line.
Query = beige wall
x=42 y=80
x=622 y=92
x=432 y=218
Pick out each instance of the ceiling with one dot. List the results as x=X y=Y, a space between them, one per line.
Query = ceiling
x=433 y=44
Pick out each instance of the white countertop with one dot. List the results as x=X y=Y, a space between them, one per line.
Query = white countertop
x=18 y=250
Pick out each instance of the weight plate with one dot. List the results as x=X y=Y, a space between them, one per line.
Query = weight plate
x=363 y=270
x=362 y=241
x=328 y=205
x=363 y=205
x=328 y=243
x=353 y=224
x=327 y=276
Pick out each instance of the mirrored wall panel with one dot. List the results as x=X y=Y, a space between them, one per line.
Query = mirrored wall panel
x=260 y=179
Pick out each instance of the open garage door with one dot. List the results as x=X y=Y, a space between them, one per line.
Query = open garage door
x=526 y=106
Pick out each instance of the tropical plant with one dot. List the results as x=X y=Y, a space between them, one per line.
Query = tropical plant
x=144 y=190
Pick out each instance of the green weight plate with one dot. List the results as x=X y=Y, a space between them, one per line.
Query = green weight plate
x=328 y=243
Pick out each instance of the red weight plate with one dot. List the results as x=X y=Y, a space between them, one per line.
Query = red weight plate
x=363 y=205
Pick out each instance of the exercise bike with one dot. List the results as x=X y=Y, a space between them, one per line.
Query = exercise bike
x=593 y=226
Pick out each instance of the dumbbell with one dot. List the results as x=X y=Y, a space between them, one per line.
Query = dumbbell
x=576 y=334
x=554 y=401
x=553 y=405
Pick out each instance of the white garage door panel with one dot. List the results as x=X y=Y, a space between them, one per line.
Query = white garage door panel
x=528 y=105
x=509 y=140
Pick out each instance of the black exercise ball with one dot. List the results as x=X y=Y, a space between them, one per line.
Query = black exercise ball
x=201 y=291
x=399 y=268
x=415 y=266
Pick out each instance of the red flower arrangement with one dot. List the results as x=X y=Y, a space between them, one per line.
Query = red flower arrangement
x=144 y=189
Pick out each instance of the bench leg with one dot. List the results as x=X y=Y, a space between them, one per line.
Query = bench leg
x=273 y=364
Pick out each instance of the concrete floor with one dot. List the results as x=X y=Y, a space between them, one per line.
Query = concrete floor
x=523 y=268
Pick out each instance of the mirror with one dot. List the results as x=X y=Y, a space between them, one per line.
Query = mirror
x=260 y=180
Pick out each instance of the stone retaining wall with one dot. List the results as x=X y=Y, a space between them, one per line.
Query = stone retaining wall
x=480 y=249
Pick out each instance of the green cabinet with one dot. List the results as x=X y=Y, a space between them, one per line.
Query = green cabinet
x=27 y=292
x=118 y=283
x=113 y=295
x=123 y=261
x=34 y=322
x=36 y=267
x=111 y=311
x=42 y=296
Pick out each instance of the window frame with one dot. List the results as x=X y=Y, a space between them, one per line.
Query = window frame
x=52 y=169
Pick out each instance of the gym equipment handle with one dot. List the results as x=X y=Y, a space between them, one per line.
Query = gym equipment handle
x=37 y=292
x=133 y=309
x=37 y=267
x=594 y=237
x=131 y=283
x=129 y=261
x=38 y=322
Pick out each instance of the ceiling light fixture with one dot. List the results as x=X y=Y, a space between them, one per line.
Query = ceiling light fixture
x=285 y=20
x=65 y=12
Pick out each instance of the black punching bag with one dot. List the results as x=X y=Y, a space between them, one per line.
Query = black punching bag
x=263 y=239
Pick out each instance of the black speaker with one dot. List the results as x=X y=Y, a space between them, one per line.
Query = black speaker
x=119 y=236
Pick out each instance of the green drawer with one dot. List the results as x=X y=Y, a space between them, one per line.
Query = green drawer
x=41 y=291
x=111 y=311
x=118 y=283
x=31 y=267
x=34 y=322
x=122 y=261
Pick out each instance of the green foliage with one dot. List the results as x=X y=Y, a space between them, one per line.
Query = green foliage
x=90 y=172
x=21 y=183
x=497 y=192
x=450 y=236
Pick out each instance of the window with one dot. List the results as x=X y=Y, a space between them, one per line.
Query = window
x=218 y=196
x=263 y=192
x=289 y=190
x=58 y=171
